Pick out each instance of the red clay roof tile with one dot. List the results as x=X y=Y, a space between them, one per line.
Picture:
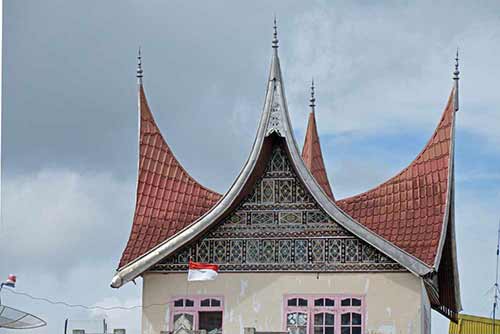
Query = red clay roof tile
x=168 y=198
x=415 y=222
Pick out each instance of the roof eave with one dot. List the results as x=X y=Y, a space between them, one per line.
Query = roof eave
x=449 y=197
x=449 y=217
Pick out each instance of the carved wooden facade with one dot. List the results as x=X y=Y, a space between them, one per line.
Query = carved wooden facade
x=280 y=227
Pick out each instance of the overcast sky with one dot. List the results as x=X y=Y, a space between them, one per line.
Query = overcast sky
x=383 y=75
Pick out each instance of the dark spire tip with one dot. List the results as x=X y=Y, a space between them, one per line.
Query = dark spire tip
x=457 y=71
x=139 y=64
x=312 y=100
x=275 y=34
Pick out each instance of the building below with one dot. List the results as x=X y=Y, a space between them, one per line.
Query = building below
x=293 y=257
x=471 y=324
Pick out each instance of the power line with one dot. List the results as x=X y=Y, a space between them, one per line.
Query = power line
x=86 y=307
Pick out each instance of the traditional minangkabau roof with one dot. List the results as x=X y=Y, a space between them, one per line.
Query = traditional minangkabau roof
x=409 y=218
x=311 y=151
x=275 y=121
x=168 y=198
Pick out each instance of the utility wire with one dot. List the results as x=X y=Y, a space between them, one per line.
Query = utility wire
x=86 y=307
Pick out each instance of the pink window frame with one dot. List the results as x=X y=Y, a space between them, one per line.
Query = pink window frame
x=338 y=310
x=194 y=310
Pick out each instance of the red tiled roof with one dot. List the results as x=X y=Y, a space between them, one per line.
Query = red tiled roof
x=409 y=209
x=168 y=198
x=313 y=158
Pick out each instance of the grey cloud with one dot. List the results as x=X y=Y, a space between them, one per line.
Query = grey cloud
x=61 y=219
x=388 y=67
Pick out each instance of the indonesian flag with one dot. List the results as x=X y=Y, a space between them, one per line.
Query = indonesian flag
x=202 y=271
x=11 y=281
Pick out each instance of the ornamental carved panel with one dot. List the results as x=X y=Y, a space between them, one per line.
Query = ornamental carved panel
x=280 y=227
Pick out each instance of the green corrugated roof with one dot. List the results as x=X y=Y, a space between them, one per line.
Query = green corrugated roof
x=471 y=324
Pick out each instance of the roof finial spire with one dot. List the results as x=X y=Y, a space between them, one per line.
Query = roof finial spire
x=312 y=100
x=275 y=34
x=456 y=78
x=456 y=72
x=139 y=66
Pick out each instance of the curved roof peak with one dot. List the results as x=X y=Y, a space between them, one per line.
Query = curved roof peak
x=411 y=208
x=168 y=198
x=311 y=151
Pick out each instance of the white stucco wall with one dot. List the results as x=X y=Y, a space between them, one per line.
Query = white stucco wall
x=394 y=301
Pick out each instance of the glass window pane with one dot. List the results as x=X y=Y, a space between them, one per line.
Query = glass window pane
x=189 y=303
x=329 y=330
x=346 y=319
x=291 y=319
x=215 y=302
x=356 y=330
x=302 y=302
x=356 y=302
x=210 y=321
x=319 y=302
x=345 y=330
x=179 y=303
x=356 y=319
x=329 y=302
x=292 y=302
x=318 y=319
x=205 y=302
x=329 y=319
x=183 y=323
x=296 y=323
x=302 y=319
x=346 y=302
x=318 y=330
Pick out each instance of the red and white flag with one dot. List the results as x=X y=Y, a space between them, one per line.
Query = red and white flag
x=202 y=271
x=10 y=282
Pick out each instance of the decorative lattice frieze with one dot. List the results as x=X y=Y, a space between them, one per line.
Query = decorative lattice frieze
x=279 y=227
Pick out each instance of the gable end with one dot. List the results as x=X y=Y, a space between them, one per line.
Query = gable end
x=278 y=226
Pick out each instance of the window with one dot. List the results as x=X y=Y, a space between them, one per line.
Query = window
x=197 y=313
x=183 y=302
x=351 y=302
x=297 y=302
x=210 y=302
x=324 y=323
x=183 y=323
x=326 y=314
x=296 y=322
x=324 y=302
x=351 y=323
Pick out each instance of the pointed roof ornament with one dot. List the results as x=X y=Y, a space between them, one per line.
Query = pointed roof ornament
x=312 y=100
x=456 y=78
x=456 y=72
x=139 y=67
x=275 y=34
